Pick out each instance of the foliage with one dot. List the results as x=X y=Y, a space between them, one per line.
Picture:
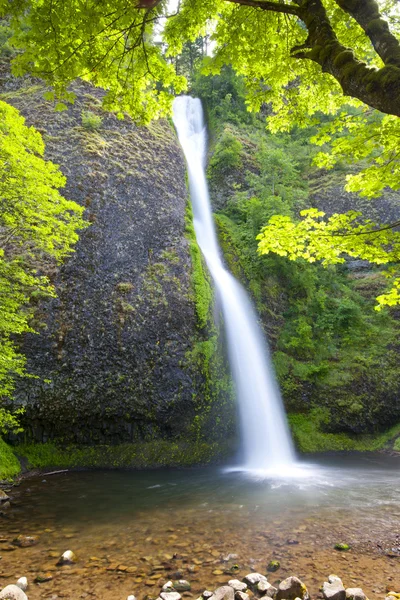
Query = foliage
x=91 y=121
x=9 y=464
x=331 y=240
x=38 y=228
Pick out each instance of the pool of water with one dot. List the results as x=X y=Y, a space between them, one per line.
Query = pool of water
x=132 y=531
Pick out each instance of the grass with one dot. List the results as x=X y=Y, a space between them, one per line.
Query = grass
x=309 y=436
x=9 y=463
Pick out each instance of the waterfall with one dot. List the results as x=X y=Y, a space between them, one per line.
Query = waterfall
x=265 y=435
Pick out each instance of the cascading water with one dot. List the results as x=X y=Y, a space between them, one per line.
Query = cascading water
x=266 y=439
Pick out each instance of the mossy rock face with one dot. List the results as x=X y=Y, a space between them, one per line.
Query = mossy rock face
x=111 y=357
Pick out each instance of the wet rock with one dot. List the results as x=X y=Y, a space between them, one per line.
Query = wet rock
x=241 y=596
x=182 y=585
x=168 y=587
x=273 y=566
x=223 y=593
x=43 y=578
x=67 y=558
x=292 y=588
x=265 y=588
x=238 y=586
x=170 y=596
x=355 y=594
x=333 y=589
x=22 y=583
x=13 y=592
x=25 y=541
x=342 y=547
x=252 y=579
x=3 y=497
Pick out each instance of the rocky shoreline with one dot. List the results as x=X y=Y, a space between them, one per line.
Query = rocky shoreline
x=252 y=586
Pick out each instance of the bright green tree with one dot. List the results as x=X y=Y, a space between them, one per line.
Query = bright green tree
x=301 y=57
x=38 y=228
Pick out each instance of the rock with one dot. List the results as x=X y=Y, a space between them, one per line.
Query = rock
x=13 y=592
x=168 y=587
x=273 y=566
x=207 y=594
x=43 y=577
x=342 y=547
x=182 y=585
x=131 y=597
x=252 y=579
x=67 y=558
x=241 y=596
x=355 y=594
x=238 y=586
x=170 y=596
x=292 y=588
x=22 y=583
x=265 y=588
x=333 y=578
x=3 y=497
x=334 y=589
x=25 y=541
x=223 y=593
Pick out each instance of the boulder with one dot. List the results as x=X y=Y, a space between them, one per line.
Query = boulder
x=292 y=588
x=223 y=593
x=355 y=594
x=13 y=592
x=238 y=586
x=334 y=589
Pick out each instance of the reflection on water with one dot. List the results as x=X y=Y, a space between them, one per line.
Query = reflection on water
x=164 y=522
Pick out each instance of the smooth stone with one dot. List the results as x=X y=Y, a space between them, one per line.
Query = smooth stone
x=207 y=594
x=334 y=590
x=67 y=558
x=182 y=585
x=252 y=579
x=241 y=596
x=131 y=597
x=355 y=594
x=22 y=583
x=13 y=592
x=223 y=593
x=170 y=596
x=238 y=586
x=292 y=588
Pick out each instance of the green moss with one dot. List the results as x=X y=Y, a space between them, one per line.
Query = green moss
x=309 y=436
x=158 y=453
x=203 y=295
x=9 y=463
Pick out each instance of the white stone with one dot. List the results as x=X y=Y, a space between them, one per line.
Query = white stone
x=168 y=587
x=13 y=592
x=67 y=558
x=131 y=597
x=254 y=578
x=22 y=583
x=170 y=596
x=238 y=586
x=355 y=594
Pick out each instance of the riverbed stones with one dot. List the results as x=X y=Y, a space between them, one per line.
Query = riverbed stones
x=170 y=596
x=13 y=592
x=355 y=594
x=226 y=592
x=67 y=558
x=22 y=583
x=264 y=588
x=292 y=588
x=334 y=589
x=25 y=541
x=238 y=586
x=252 y=579
x=182 y=585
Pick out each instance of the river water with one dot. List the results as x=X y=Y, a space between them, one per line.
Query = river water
x=132 y=531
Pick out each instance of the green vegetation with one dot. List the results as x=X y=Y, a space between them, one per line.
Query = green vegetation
x=9 y=463
x=91 y=121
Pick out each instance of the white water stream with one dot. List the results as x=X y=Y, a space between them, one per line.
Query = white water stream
x=267 y=445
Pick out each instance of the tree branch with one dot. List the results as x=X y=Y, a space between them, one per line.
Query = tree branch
x=288 y=9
